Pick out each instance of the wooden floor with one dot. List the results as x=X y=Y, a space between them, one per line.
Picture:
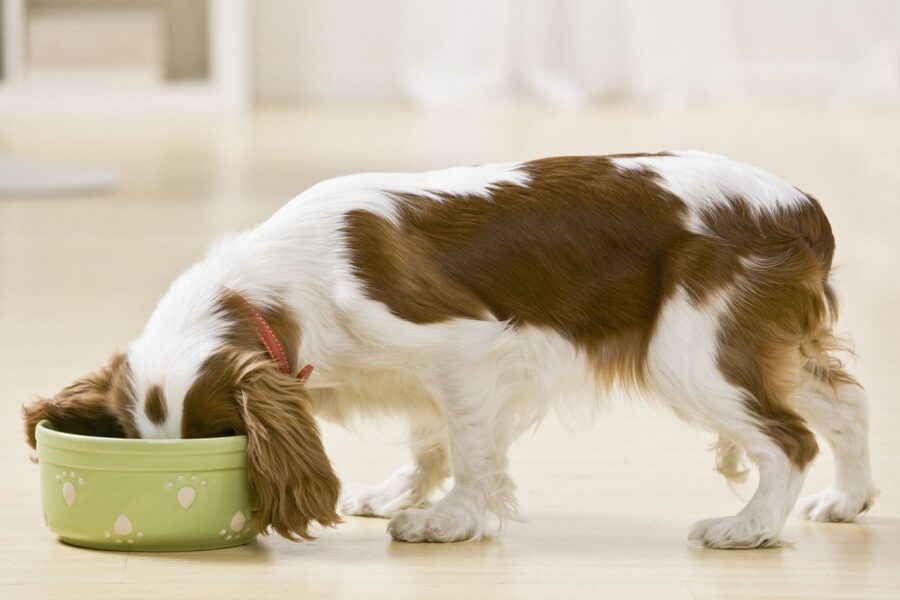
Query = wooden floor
x=608 y=505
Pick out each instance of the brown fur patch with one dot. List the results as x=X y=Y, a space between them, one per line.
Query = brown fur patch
x=155 y=405
x=782 y=308
x=289 y=471
x=594 y=252
x=583 y=249
x=99 y=404
x=239 y=390
x=208 y=409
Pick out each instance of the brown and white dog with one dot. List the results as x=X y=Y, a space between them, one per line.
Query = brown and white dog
x=468 y=300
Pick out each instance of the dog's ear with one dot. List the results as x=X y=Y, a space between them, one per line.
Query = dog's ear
x=99 y=404
x=289 y=473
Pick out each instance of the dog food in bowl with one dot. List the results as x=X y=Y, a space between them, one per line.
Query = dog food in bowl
x=145 y=495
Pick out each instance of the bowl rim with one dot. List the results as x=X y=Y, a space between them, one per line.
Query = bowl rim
x=48 y=436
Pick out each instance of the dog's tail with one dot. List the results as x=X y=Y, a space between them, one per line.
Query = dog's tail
x=820 y=348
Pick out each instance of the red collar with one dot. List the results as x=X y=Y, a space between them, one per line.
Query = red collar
x=273 y=345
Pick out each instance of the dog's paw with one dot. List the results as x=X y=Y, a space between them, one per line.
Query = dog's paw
x=835 y=506
x=737 y=532
x=441 y=523
x=382 y=500
x=385 y=499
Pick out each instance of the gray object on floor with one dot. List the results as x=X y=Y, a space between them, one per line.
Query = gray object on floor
x=24 y=178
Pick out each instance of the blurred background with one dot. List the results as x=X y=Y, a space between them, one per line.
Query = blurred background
x=428 y=71
x=406 y=84
x=133 y=132
x=229 y=56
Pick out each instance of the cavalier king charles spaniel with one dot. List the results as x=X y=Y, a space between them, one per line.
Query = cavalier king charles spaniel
x=468 y=300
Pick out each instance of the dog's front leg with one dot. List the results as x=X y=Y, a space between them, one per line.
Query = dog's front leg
x=409 y=486
x=478 y=459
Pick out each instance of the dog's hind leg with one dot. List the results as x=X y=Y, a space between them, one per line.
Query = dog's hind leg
x=836 y=408
x=685 y=367
x=411 y=485
x=760 y=522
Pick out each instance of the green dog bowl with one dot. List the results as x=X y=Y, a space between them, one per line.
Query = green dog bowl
x=145 y=495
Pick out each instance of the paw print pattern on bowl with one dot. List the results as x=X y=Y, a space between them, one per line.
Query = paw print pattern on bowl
x=187 y=489
x=70 y=484
x=123 y=528
x=118 y=497
x=238 y=527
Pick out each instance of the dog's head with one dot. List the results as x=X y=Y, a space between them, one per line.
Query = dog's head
x=236 y=389
x=99 y=404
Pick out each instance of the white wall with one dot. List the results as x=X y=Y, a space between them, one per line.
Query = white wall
x=572 y=52
x=325 y=50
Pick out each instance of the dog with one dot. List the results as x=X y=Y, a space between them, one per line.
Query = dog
x=468 y=300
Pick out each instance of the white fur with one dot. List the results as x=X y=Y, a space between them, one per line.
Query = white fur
x=703 y=181
x=469 y=387
x=839 y=415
